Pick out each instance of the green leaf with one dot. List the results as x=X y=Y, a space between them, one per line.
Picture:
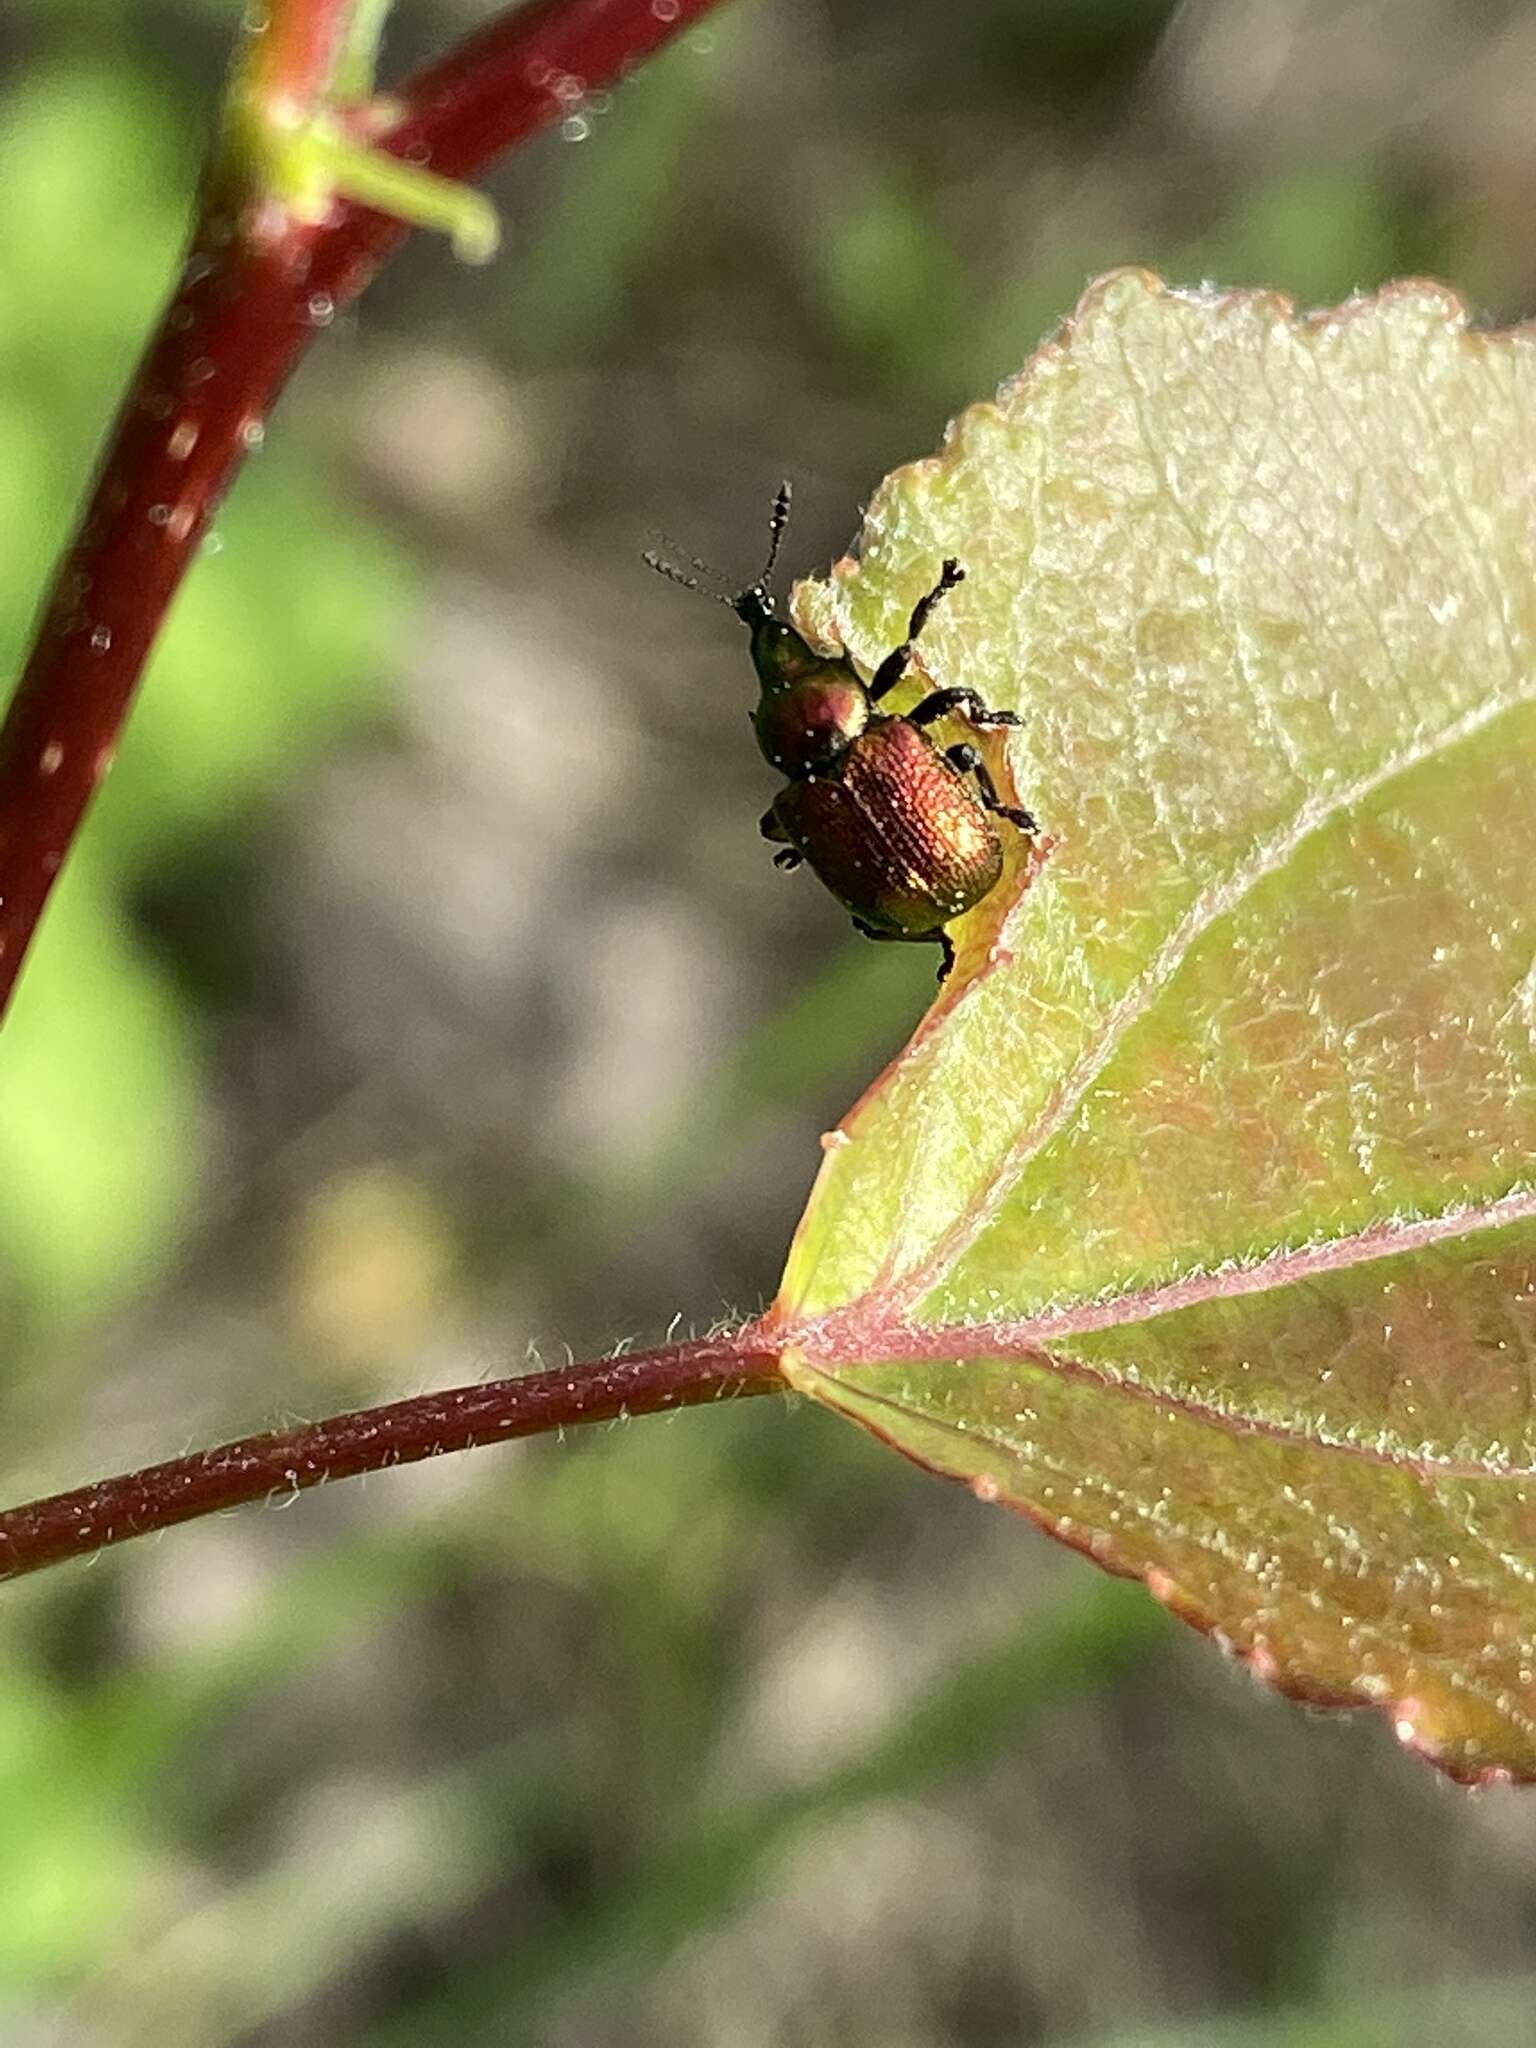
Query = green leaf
x=74 y=1878
x=275 y=643
x=1198 y=1221
x=100 y=1142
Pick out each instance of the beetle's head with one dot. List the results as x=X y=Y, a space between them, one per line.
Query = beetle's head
x=779 y=655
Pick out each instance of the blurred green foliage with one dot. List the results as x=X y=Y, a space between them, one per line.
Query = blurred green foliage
x=73 y=1855
x=277 y=638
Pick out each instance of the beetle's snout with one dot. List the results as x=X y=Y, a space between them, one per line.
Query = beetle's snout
x=780 y=656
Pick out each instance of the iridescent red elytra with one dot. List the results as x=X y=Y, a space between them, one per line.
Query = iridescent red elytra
x=900 y=832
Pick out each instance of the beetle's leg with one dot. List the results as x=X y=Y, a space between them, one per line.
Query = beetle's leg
x=942 y=702
x=969 y=762
x=788 y=856
x=950 y=573
x=894 y=666
x=938 y=938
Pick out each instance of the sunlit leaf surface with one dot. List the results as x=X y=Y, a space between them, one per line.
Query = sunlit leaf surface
x=1199 y=1219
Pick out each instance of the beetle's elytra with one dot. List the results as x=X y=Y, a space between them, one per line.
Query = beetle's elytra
x=901 y=832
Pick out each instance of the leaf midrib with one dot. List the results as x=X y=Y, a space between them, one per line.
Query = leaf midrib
x=851 y=1338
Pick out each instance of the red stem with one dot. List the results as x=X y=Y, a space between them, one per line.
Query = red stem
x=256 y=287
x=300 y=45
x=110 y=1511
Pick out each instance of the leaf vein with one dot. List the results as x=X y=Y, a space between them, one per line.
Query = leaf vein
x=1209 y=907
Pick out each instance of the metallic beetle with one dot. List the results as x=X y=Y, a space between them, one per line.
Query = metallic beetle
x=900 y=831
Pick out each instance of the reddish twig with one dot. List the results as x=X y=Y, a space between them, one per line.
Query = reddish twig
x=257 y=285
x=110 y=1511
x=301 y=44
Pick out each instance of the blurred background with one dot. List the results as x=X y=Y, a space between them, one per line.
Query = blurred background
x=421 y=1001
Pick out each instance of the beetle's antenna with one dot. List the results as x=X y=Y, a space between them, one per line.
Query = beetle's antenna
x=673 y=554
x=756 y=601
x=776 y=525
x=675 y=575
